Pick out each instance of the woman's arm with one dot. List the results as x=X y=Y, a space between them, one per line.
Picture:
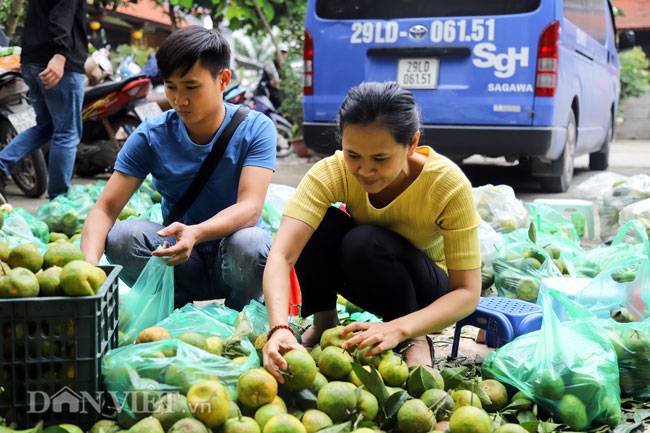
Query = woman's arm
x=289 y=242
x=460 y=302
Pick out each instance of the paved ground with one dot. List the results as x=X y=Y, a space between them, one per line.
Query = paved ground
x=628 y=157
x=636 y=112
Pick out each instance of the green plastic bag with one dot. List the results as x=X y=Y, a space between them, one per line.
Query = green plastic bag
x=630 y=243
x=569 y=368
x=549 y=220
x=138 y=375
x=16 y=231
x=632 y=344
x=519 y=269
x=209 y=321
x=65 y=215
x=563 y=251
x=276 y=199
x=256 y=315
x=153 y=214
x=176 y=363
x=150 y=300
x=626 y=283
x=39 y=228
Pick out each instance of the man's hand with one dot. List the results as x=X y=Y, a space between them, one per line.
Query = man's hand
x=185 y=241
x=54 y=71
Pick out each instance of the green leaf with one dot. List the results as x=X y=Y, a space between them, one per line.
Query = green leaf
x=453 y=377
x=516 y=406
x=547 y=427
x=345 y=427
x=422 y=378
x=526 y=415
x=528 y=420
x=240 y=13
x=394 y=402
x=55 y=429
x=268 y=11
x=531 y=426
x=532 y=233
x=372 y=382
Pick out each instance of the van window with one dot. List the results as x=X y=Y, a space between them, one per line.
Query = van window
x=589 y=16
x=394 y=9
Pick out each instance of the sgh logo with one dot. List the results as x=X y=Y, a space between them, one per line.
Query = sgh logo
x=504 y=64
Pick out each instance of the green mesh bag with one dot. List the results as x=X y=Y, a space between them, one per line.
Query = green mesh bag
x=569 y=368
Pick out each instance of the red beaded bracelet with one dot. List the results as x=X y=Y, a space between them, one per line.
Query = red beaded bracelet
x=276 y=327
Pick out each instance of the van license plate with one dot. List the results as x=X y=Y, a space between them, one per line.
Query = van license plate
x=23 y=120
x=418 y=73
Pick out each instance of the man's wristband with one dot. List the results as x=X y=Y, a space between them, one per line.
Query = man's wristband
x=277 y=327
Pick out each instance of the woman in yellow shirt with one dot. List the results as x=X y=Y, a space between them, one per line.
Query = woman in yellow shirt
x=412 y=217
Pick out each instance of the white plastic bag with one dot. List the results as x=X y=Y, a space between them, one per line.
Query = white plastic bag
x=498 y=206
x=637 y=211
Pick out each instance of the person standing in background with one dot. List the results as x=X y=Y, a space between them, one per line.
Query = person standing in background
x=54 y=49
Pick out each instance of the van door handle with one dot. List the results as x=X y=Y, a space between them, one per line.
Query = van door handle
x=420 y=51
x=585 y=55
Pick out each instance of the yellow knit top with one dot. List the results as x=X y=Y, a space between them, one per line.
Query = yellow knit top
x=435 y=212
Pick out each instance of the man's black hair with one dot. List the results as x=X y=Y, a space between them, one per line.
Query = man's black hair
x=183 y=48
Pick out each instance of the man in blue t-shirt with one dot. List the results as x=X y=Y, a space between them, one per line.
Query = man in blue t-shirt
x=218 y=247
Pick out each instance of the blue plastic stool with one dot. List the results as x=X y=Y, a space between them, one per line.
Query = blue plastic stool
x=504 y=318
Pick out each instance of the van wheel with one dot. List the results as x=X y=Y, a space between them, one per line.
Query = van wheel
x=600 y=160
x=562 y=182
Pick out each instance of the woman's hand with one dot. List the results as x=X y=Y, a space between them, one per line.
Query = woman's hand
x=280 y=342
x=379 y=336
x=185 y=240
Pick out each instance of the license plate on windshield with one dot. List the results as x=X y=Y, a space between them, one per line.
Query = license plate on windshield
x=145 y=111
x=23 y=120
x=418 y=73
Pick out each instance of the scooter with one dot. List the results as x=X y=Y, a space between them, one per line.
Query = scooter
x=239 y=94
x=16 y=116
x=111 y=112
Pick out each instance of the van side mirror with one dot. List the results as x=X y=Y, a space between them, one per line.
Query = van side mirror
x=626 y=40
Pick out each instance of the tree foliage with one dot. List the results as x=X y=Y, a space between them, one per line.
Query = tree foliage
x=634 y=73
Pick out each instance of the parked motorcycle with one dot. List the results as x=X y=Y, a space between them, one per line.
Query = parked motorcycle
x=239 y=94
x=16 y=116
x=111 y=112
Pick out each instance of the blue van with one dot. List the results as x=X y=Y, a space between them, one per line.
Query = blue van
x=534 y=81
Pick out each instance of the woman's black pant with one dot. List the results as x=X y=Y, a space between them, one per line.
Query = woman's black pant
x=372 y=267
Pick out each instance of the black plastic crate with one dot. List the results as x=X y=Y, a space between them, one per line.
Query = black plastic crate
x=55 y=392
x=55 y=344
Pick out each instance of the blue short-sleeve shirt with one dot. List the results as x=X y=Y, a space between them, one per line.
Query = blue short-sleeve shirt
x=161 y=146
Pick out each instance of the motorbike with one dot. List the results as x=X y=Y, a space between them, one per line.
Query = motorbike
x=111 y=112
x=16 y=116
x=239 y=94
